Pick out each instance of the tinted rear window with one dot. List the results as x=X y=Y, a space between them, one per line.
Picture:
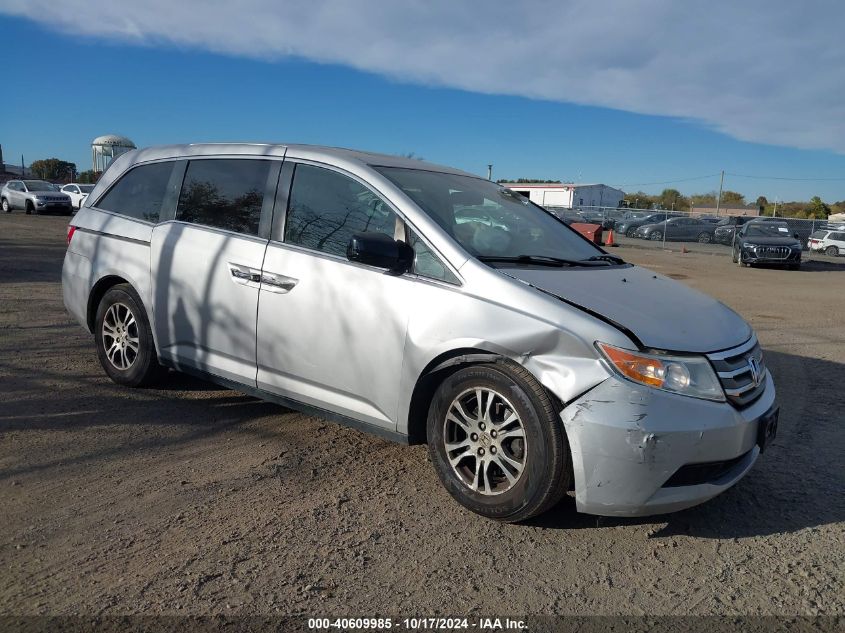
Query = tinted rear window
x=140 y=192
x=224 y=193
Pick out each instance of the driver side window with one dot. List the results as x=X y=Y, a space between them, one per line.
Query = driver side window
x=326 y=208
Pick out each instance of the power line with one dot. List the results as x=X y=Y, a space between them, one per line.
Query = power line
x=666 y=182
x=785 y=178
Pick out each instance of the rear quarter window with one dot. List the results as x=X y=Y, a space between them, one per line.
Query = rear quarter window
x=139 y=193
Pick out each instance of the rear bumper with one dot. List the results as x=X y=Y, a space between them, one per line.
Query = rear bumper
x=628 y=441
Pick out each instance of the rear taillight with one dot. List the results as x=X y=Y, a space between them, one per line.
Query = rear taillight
x=70 y=231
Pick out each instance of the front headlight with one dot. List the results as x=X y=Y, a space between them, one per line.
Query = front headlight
x=687 y=375
x=748 y=245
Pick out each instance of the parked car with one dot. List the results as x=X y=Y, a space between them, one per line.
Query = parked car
x=33 y=196
x=767 y=242
x=629 y=226
x=828 y=242
x=725 y=228
x=341 y=283
x=77 y=192
x=678 y=230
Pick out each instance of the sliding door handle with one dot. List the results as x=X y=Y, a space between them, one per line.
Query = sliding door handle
x=274 y=282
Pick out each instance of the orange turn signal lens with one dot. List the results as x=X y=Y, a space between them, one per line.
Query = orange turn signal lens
x=644 y=369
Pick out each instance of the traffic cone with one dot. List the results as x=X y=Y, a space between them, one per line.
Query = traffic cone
x=609 y=240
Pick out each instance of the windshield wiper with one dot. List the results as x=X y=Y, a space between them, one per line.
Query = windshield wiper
x=606 y=257
x=538 y=260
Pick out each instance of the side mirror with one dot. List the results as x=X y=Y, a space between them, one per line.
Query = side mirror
x=381 y=251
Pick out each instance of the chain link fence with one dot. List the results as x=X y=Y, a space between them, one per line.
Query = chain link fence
x=711 y=233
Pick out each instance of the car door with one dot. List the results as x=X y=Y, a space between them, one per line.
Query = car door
x=692 y=227
x=16 y=195
x=206 y=264
x=331 y=332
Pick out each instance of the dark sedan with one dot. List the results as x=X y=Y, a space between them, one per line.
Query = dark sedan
x=767 y=243
x=724 y=233
x=628 y=226
x=678 y=230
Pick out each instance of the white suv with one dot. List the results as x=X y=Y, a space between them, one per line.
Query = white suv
x=829 y=242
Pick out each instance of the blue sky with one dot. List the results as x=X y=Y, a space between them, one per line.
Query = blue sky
x=155 y=89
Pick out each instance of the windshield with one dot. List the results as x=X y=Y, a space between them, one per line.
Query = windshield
x=768 y=229
x=38 y=185
x=487 y=219
x=86 y=188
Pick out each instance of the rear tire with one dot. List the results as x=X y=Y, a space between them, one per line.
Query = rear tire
x=513 y=426
x=832 y=251
x=124 y=338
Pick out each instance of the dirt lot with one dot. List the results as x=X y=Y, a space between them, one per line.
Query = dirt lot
x=192 y=499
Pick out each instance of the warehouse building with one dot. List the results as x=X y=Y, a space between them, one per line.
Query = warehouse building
x=568 y=195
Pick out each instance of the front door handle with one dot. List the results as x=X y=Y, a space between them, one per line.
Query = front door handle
x=244 y=275
x=274 y=282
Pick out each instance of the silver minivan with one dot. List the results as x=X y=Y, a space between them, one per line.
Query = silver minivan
x=426 y=305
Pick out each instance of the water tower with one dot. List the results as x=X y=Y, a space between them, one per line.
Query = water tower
x=104 y=149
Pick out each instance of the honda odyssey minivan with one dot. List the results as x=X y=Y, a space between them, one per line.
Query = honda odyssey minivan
x=426 y=305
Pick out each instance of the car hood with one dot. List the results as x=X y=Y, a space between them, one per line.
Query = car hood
x=46 y=192
x=662 y=313
x=771 y=241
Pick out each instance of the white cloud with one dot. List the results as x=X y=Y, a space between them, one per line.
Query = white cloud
x=770 y=71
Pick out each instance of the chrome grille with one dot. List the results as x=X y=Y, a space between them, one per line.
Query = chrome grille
x=772 y=252
x=741 y=371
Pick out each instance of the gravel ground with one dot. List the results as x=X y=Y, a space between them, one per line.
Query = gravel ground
x=192 y=499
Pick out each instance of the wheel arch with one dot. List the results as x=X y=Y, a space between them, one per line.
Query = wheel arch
x=438 y=370
x=96 y=295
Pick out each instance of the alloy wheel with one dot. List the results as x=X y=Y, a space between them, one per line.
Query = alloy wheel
x=485 y=441
x=120 y=336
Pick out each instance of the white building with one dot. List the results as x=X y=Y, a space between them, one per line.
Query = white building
x=569 y=195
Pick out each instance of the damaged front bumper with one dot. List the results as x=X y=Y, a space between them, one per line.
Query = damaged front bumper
x=638 y=451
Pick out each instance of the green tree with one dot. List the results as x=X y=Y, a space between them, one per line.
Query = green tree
x=52 y=169
x=817 y=209
x=639 y=200
x=732 y=199
x=88 y=177
x=673 y=199
x=703 y=199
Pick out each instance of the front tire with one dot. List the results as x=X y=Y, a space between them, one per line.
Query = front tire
x=6 y=206
x=656 y=236
x=704 y=238
x=29 y=207
x=497 y=443
x=124 y=338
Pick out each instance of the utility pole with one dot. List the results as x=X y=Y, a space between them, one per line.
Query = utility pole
x=775 y=210
x=719 y=199
x=490 y=171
